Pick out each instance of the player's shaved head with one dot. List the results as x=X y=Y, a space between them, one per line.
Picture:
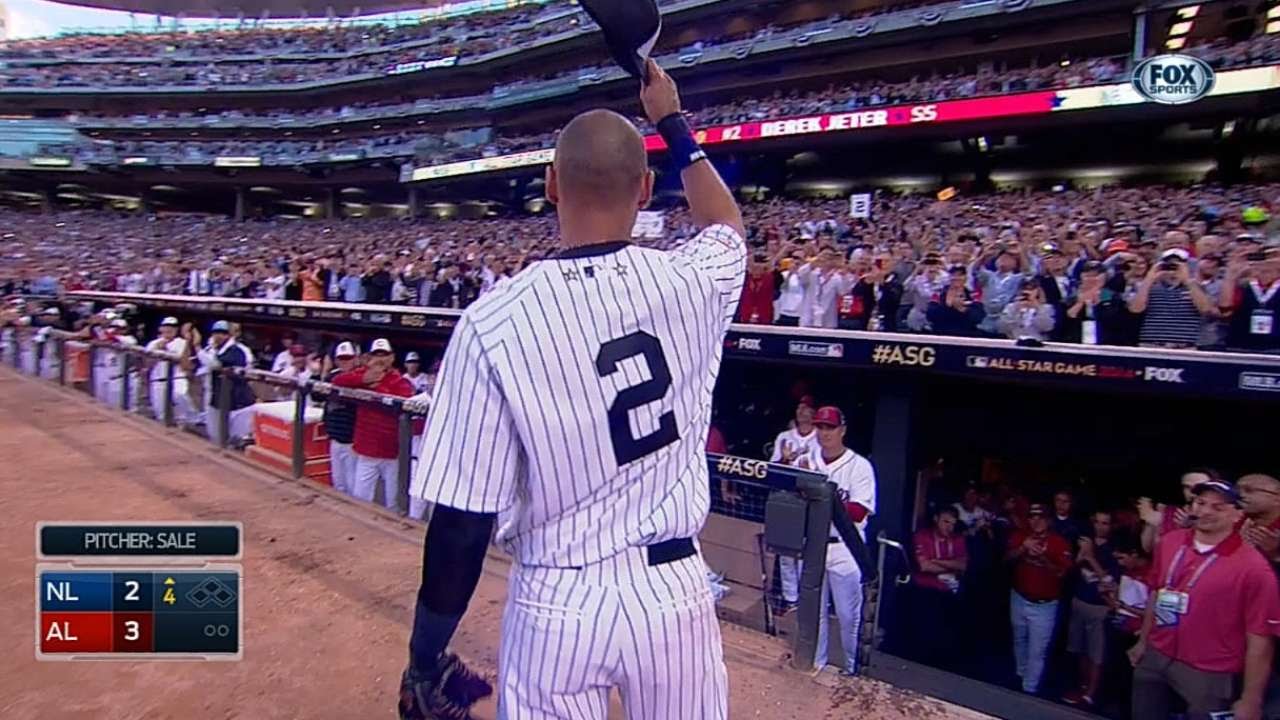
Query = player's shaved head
x=600 y=161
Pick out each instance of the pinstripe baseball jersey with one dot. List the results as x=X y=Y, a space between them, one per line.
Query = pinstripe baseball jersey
x=574 y=399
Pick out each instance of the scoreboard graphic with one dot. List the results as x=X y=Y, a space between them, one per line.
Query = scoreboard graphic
x=160 y=591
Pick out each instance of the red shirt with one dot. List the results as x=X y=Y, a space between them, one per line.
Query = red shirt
x=377 y=431
x=930 y=545
x=757 y=300
x=1235 y=596
x=1041 y=581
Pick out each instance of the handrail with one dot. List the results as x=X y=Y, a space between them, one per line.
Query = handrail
x=1070 y=349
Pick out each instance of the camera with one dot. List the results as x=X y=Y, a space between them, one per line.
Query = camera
x=1256 y=256
x=1168 y=266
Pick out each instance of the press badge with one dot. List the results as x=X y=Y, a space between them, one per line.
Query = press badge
x=1170 y=606
x=1089 y=332
x=1261 y=322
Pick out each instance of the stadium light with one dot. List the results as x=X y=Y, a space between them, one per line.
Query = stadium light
x=1189 y=12
x=1181 y=28
x=1273 y=26
x=1273 y=12
x=1175 y=43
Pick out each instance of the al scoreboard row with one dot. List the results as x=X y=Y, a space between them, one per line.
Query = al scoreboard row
x=102 y=600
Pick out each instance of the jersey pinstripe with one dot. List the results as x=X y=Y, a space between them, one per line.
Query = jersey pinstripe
x=574 y=399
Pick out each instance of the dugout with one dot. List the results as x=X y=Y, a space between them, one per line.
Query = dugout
x=934 y=414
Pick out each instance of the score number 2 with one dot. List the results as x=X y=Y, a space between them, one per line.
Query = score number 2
x=626 y=447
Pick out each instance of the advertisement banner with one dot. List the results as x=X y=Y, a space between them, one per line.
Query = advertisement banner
x=231 y=161
x=420 y=65
x=1041 y=102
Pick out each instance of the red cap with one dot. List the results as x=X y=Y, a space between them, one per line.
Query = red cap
x=806 y=400
x=297 y=351
x=829 y=415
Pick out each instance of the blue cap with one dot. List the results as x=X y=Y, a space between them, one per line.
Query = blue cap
x=221 y=326
x=1222 y=487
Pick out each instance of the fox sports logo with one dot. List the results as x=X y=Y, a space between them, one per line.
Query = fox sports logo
x=1173 y=79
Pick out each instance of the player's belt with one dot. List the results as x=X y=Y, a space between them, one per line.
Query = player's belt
x=670 y=551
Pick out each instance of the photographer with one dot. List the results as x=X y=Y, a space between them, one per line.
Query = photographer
x=924 y=287
x=1171 y=304
x=1251 y=301
x=1028 y=316
x=1000 y=286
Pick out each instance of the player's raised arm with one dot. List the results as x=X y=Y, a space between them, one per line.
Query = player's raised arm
x=710 y=200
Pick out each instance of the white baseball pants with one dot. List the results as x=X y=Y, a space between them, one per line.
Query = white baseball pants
x=789 y=578
x=419 y=509
x=183 y=412
x=342 y=466
x=842 y=587
x=570 y=635
x=372 y=471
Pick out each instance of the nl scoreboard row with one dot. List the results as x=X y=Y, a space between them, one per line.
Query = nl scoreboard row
x=159 y=591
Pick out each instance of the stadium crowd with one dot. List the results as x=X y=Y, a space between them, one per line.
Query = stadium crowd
x=435 y=147
x=1193 y=266
x=29 y=63
x=440 y=148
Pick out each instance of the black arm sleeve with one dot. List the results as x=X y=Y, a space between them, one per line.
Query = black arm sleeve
x=452 y=559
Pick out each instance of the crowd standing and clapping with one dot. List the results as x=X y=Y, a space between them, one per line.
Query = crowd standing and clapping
x=1181 y=267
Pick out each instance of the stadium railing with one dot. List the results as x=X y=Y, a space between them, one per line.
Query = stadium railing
x=72 y=360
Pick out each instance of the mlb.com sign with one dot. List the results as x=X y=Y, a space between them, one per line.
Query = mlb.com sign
x=1173 y=79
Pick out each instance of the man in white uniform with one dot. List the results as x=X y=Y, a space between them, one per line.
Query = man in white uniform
x=795 y=446
x=855 y=482
x=572 y=408
x=169 y=342
x=111 y=363
x=413 y=373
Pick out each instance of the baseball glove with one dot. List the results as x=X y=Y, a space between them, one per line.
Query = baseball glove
x=449 y=696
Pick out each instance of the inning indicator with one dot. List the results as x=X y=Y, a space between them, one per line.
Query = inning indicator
x=179 y=605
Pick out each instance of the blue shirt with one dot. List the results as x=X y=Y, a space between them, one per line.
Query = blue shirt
x=352 y=288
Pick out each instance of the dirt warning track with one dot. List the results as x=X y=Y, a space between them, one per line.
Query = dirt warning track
x=329 y=586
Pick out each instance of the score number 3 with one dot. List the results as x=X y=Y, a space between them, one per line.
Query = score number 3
x=626 y=447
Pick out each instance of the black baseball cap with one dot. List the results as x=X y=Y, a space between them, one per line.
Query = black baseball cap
x=1093 y=266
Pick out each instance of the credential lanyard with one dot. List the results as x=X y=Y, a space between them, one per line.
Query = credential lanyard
x=1195 y=577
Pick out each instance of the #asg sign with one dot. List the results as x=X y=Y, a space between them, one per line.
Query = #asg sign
x=1173 y=79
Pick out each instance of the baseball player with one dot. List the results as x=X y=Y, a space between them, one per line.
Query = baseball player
x=225 y=350
x=588 y=454
x=793 y=446
x=377 y=439
x=413 y=373
x=855 y=482
x=340 y=422
x=169 y=342
x=110 y=363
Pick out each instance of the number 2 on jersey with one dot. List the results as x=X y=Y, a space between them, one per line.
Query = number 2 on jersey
x=627 y=448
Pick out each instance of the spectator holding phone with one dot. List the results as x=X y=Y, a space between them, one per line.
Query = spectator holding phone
x=1251 y=300
x=758 y=292
x=1028 y=316
x=1000 y=286
x=1172 y=306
